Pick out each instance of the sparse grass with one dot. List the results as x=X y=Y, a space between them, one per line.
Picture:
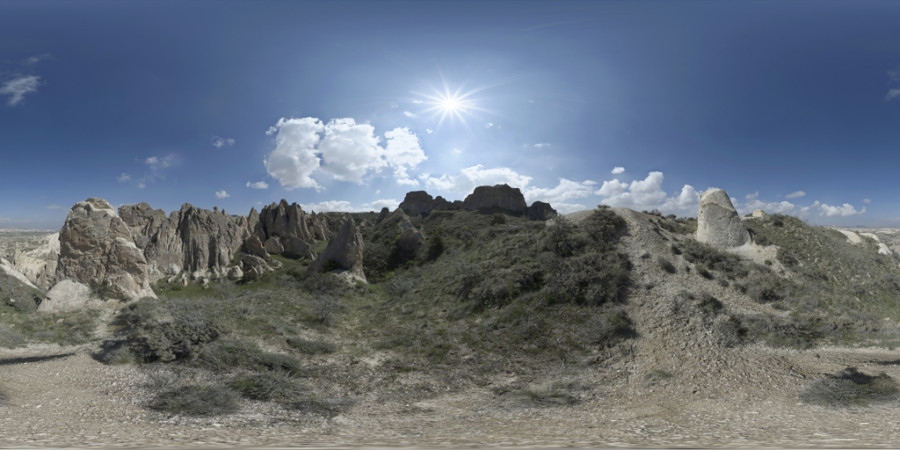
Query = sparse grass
x=850 y=387
x=665 y=265
x=196 y=400
x=310 y=347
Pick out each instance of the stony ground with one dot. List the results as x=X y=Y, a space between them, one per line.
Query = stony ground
x=745 y=398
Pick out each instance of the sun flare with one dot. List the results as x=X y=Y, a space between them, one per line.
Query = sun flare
x=450 y=104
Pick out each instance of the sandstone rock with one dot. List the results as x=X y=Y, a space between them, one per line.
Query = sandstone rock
x=253 y=247
x=97 y=248
x=296 y=248
x=344 y=252
x=8 y=269
x=210 y=239
x=852 y=237
x=69 y=295
x=157 y=236
x=273 y=246
x=420 y=203
x=760 y=214
x=496 y=199
x=541 y=211
x=282 y=220
x=718 y=223
x=39 y=265
x=253 y=267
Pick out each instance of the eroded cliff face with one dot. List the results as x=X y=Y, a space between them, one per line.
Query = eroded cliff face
x=97 y=249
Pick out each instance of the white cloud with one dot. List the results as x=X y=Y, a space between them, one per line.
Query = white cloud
x=18 y=88
x=155 y=163
x=472 y=177
x=752 y=196
x=141 y=185
x=222 y=194
x=389 y=203
x=457 y=151
x=541 y=145
x=219 y=142
x=123 y=177
x=429 y=130
x=565 y=190
x=892 y=94
x=617 y=170
x=796 y=194
x=565 y=208
x=341 y=149
x=295 y=156
x=409 y=114
x=403 y=152
x=648 y=194
x=329 y=206
x=258 y=185
x=844 y=210
x=782 y=207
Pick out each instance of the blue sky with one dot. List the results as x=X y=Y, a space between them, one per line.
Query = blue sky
x=792 y=106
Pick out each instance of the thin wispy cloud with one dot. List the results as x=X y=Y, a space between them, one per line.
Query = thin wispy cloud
x=219 y=142
x=258 y=185
x=123 y=177
x=796 y=194
x=17 y=88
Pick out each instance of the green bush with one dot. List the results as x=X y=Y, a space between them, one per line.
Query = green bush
x=498 y=219
x=604 y=226
x=850 y=387
x=196 y=400
x=435 y=247
x=268 y=386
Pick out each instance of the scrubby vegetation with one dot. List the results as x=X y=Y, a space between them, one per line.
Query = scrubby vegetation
x=850 y=387
x=20 y=324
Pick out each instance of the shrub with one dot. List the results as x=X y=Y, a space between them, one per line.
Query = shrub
x=561 y=238
x=590 y=279
x=268 y=386
x=850 y=387
x=435 y=247
x=665 y=265
x=498 y=219
x=196 y=400
x=604 y=226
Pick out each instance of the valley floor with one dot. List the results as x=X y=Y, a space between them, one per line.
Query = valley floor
x=745 y=398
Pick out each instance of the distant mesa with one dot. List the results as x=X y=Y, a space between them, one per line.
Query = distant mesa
x=718 y=223
x=496 y=199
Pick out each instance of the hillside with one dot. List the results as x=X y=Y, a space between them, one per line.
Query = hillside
x=604 y=328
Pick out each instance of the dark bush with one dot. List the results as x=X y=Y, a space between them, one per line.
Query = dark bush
x=269 y=386
x=196 y=400
x=589 y=279
x=498 y=219
x=850 y=387
x=435 y=247
x=236 y=353
x=665 y=265
x=604 y=226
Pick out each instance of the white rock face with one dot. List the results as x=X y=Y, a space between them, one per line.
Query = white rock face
x=718 y=223
x=7 y=268
x=69 y=295
x=39 y=264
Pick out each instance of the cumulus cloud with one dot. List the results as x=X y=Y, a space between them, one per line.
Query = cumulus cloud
x=345 y=206
x=222 y=194
x=219 y=142
x=123 y=177
x=796 y=194
x=156 y=163
x=341 y=150
x=752 y=196
x=648 y=194
x=472 y=177
x=844 y=210
x=617 y=170
x=258 y=185
x=565 y=190
x=782 y=207
x=18 y=88
x=429 y=130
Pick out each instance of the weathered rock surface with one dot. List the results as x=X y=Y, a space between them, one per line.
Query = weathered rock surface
x=496 y=199
x=344 y=252
x=39 y=264
x=97 y=248
x=273 y=246
x=210 y=239
x=718 y=223
x=68 y=295
x=9 y=270
x=157 y=236
x=541 y=211
x=253 y=246
x=296 y=248
x=420 y=203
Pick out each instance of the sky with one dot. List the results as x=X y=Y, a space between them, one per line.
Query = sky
x=790 y=106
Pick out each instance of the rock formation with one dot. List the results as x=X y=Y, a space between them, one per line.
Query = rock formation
x=344 y=252
x=718 y=223
x=420 y=203
x=97 y=249
x=39 y=265
x=541 y=211
x=68 y=295
x=496 y=199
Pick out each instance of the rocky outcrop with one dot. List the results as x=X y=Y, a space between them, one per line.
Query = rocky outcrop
x=541 y=211
x=718 y=223
x=254 y=247
x=97 y=249
x=68 y=295
x=420 y=203
x=39 y=264
x=344 y=253
x=282 y=220
x=273 y=246
x=157 y=236
x=496 y=199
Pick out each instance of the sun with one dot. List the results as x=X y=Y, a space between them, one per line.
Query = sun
x=450 y=104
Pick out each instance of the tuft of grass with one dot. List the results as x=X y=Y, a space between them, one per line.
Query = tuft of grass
x=269 y=386
x=665 y=265
x=850 y=387
x=196 y=400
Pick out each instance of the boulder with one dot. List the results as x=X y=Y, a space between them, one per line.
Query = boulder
x=235 y=273
x=253 y=267
x=344 y=253
x=68 y=295
x=541 y=211
x=253 y=247
x=273 y=246
x=496 y=199
x=296 y=248
x=97 y=248
x=718 y=223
